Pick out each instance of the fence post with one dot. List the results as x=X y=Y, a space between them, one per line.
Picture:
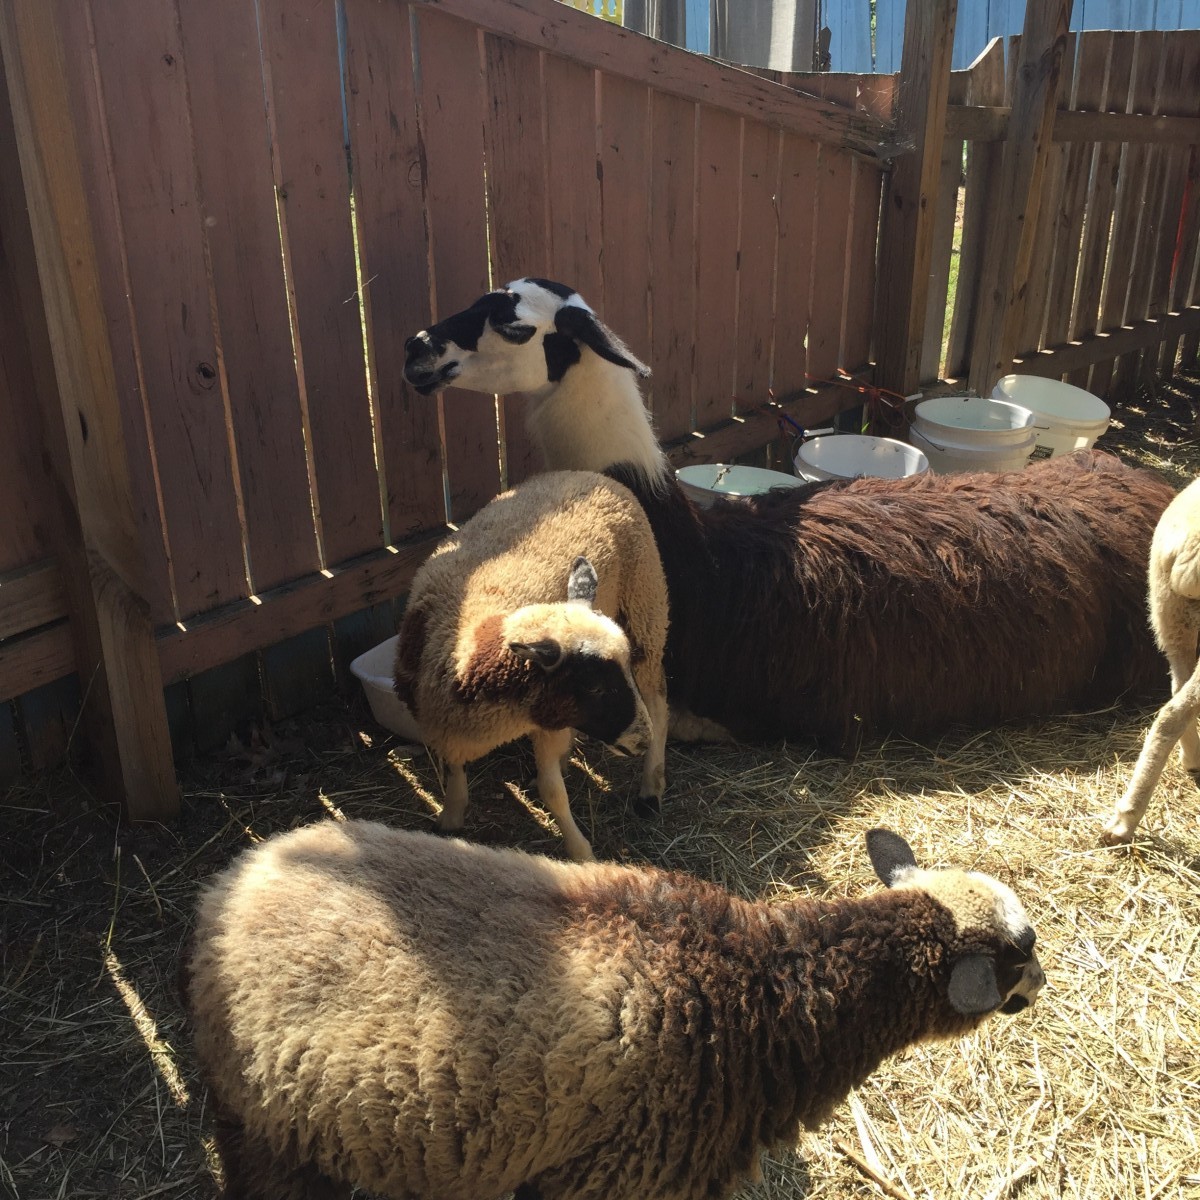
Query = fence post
x=102 y=557
x=910 y=199
x=1016 y=200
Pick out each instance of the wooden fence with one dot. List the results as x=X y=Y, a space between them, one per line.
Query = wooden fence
x=219 y=223
x=239 y=212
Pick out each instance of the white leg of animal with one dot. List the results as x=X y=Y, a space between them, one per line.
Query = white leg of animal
x=654 y=764
x=454 y=807
x=549 y=749
x=1173 y=719
x=1182 y=659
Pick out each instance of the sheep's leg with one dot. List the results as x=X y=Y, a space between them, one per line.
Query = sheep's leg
x=254 y=1172
x=549 y=748
x=654 y=764
x=454 y=807
x=1182 y=660
x=1176 y=716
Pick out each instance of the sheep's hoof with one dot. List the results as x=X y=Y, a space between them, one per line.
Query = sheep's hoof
x=647 y=807
x=1116 y=835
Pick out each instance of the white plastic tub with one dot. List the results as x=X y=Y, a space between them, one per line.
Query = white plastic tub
x=375 y=669
x=972 y=433
x=1066 y=417
x=704 y=483
x=849 y=455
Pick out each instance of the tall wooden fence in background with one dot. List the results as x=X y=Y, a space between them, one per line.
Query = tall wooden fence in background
x=219 y=224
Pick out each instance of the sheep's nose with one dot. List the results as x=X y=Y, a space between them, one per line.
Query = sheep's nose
x=415 y=345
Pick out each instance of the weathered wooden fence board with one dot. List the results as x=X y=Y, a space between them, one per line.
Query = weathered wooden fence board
x=717 y=187
x=794 y=290
x=238 y=216
x=388 y=184
x=672 y=242
x=518 y=201
x=451 y=103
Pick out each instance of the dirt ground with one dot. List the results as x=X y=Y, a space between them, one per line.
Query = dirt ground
x=98 y=1095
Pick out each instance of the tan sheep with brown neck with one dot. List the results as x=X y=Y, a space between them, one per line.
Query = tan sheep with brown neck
x=430 y=1020
x=544 y=614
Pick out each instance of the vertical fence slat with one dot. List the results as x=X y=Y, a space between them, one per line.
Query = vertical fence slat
x=829 y=262
x=672 y=243
x=1180 y=96
x=575 y=194
x=452 y=104
x=625 y=208
x=984 y=87
x=84 y=427
x=718 y=152
x=1155 y=162
x=1101 y=195
x=143 y=75
x=1091 y=60
x=301 y=48
x=1189 y=250
x=517 y=200
x=756 y=264
x=237 y=212
x=794 y=265
x=389 y=184
x=1045 y=244
x=860 y=292
x=1131 y=182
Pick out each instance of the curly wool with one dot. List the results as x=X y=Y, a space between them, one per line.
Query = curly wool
x=575 y=1031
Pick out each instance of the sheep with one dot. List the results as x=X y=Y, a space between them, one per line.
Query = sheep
x=838 y=611
x=1175 y=615
x=565 y=1030
x=489 y=650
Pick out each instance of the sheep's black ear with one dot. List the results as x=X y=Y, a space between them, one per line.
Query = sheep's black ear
x=889 y=853
x=582 y=583
x=516 y=332
x=584 y=326
x=547 y=653
x=973 y=986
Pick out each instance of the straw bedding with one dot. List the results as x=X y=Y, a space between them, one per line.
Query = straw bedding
x=1094 y=1093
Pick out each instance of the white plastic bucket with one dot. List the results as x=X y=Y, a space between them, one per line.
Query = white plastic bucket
x=375 y=669
x=704 y=483
x=1066 y=417
x=972 y=433
x=849 y=455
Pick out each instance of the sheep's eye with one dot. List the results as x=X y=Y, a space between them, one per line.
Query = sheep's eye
x=517 y=333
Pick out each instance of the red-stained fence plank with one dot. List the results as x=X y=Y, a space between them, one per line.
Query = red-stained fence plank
x=829 y=268
x=300 y=47
x=517 y=200
x=860 y=288
x=389 y=183
x=794 y=265
x=672 y=249
x=573 y=169
x=142 y=75
x=718 y=149
x=237 y=207
x=452 y=104
x=625 y=209
x=756 y=264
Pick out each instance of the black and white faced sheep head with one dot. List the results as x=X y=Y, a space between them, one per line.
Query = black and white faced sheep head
x=993 y=966
x=519 y=338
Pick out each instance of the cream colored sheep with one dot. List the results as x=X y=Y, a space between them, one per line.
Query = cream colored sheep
x=1175 y=615
x=430 y=1020
x=503 y=638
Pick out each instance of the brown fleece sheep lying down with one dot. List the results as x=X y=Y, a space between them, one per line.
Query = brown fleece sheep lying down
x=498 y=642
x=364 y=1017
x=1175 y=615
x=838 y=611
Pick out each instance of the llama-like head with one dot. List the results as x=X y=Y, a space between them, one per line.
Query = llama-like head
x=521 y=338
x=993 y=967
